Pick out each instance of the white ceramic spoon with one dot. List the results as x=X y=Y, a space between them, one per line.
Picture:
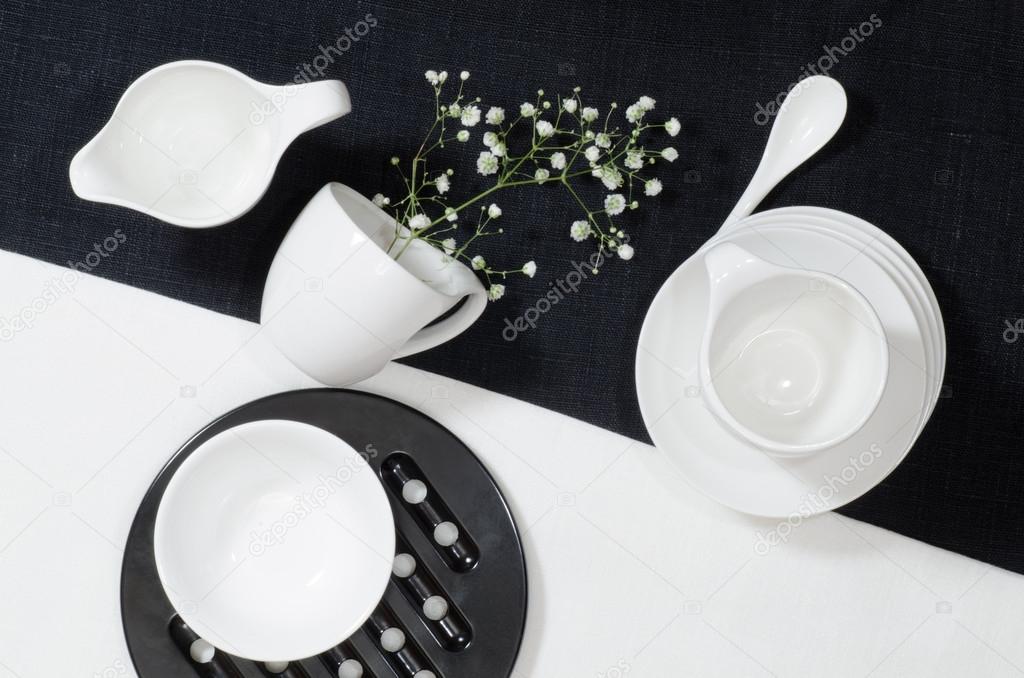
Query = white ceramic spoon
x=807 y=119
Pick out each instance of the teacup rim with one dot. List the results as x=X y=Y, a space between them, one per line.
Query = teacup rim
x=382 y=254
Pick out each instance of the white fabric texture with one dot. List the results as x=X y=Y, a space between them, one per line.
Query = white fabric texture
x=631 y=572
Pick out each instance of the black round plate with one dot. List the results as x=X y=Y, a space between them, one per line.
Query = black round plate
x=482 y=575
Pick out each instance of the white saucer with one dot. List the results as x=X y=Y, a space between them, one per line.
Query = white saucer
x=735 y=473
x=274 y=540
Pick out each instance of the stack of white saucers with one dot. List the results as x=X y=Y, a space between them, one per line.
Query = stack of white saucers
x=750 y=477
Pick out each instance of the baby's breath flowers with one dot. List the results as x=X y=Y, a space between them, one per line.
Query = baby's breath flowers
x=556 y=142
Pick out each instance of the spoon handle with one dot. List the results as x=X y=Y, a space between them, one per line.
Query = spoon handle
x=810 y=115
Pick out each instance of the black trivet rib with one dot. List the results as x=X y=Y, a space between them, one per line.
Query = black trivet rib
x=482 y=576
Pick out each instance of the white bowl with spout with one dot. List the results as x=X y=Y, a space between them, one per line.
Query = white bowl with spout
x=793 y=361
x=196 y=143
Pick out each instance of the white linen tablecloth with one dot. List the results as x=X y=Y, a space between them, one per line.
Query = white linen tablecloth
x=631 y=571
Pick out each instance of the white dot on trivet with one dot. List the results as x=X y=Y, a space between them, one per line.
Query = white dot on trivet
x=403 y=566
x=201 y=651
x=435 y=608
x=276 y=667
x=414 y=491
x=392 y=640
x=350 y=668
x=424 y=674
x=446 y=534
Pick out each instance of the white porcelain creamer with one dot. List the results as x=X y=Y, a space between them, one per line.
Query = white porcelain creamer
x=195 y=143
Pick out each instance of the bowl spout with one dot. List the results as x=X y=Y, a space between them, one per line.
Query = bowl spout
x=98 y=172
x=732 y=269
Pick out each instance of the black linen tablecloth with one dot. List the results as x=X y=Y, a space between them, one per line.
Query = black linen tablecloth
x=932 y=152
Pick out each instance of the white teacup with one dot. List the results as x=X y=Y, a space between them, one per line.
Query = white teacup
x=339 y=306
x=793 y=361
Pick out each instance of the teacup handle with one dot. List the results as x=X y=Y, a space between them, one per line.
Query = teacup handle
x=455 y=324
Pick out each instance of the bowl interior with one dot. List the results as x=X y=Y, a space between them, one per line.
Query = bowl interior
x=798 y=362
x=193 y=142
x=274 y=540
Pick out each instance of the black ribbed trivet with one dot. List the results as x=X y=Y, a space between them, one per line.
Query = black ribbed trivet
x=482 y=576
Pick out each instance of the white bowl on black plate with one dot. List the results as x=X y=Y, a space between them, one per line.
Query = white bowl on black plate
x=274 y=540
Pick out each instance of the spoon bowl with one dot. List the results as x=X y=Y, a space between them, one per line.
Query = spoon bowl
x=811 y=114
